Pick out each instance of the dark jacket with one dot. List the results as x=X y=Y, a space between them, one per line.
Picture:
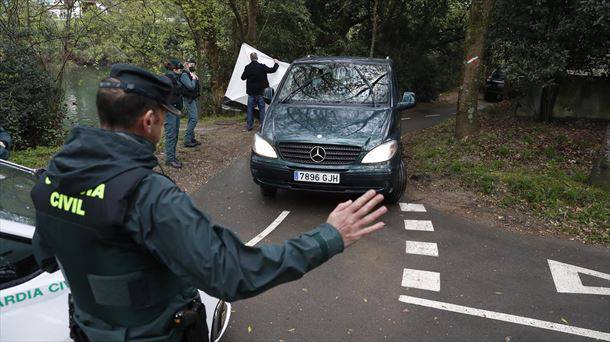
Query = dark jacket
x=190 y=87
x=165 y=223
x=255 y=75
x=6 y=139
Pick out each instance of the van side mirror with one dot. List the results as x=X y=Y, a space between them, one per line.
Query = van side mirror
x=268 y=95
x=408 y=101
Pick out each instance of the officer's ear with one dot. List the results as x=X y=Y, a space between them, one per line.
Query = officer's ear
x=149 y=119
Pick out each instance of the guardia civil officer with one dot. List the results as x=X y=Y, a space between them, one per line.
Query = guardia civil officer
x=5 y=144
x=172 y=121
x=134 y=248
x=190 y=83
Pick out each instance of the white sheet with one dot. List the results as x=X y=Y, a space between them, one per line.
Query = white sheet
x=236 y=91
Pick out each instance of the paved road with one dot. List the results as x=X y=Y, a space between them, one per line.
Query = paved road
x=468 y=283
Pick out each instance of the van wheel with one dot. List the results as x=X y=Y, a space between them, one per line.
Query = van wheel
x=399 y=186
x=267 y=191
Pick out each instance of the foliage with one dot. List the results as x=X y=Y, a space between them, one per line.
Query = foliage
x=539 y=41
x=524 y=166
x=422 y=37
x=280 y=23
x=32 y=102
x=139 y=32
x=35 y=157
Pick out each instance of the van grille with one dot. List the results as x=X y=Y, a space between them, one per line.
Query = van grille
x=335 y=154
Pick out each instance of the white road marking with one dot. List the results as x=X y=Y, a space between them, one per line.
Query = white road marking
x=424 y=280
x=405 y=119
x=269 y=229
x=600 y=335
x=431 y=115
x=412 y=207
x=567 y=280
x=421 y=248
x=423 y=225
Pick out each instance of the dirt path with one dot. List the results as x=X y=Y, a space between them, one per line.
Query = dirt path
x=222 y=142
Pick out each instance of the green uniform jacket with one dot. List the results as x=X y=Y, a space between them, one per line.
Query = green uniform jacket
x=166 y=222
x=6 y=139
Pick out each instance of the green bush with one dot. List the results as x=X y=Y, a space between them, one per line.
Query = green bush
x=32 y=109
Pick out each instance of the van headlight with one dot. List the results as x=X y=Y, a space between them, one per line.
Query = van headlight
x=381 y=153
x=262 y=147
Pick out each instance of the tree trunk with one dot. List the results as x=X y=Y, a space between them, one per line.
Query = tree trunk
x=375 y=19
x=217 y=83
x=252 y=16
x=240 y=24
x=65 y=46
x=547 y=102
x=467 y=121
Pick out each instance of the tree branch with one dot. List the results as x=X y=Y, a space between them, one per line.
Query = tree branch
x=237 y=15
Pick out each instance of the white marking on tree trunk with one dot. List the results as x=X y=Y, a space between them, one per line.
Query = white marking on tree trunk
x=424 y=280
x=531 y=322
x=269 y=229
x=472 y=59
x=412 y=207
x=421 y=248
x=567 y=280
x=423 y=225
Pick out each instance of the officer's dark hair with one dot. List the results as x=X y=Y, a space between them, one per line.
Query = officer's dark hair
x=116 y=108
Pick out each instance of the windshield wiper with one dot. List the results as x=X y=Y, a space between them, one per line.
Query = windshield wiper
x=301 y=87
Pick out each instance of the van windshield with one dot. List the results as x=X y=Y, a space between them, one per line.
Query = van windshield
x=337 y=83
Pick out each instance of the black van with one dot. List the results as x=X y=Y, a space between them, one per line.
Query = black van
x=333 y=126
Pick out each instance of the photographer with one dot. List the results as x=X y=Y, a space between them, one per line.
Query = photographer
x=5 y=144
x=172 y=122
x=190 y=85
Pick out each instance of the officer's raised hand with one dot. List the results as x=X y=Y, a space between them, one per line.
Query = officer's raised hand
x=355 y=219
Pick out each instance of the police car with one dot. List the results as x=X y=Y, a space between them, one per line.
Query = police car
x=33 y=303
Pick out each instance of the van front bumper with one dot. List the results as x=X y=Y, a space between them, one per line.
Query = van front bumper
x=355 y=178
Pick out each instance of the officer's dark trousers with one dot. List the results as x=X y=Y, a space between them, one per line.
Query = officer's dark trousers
x=172 y=126
x=3 y=153
x=191 y=109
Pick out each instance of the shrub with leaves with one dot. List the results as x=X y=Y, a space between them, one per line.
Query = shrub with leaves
x=32 y=109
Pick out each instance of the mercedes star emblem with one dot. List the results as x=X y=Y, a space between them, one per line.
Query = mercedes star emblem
x=317 y=154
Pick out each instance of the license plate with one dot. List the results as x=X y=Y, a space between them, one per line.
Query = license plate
x=316 y=177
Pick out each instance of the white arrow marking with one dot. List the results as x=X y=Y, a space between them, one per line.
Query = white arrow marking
x=567 y=280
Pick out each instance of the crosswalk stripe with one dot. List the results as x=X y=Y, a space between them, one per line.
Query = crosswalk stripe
x=422 y=248
x=423 y=225
x=424 y=280
x=414 y=207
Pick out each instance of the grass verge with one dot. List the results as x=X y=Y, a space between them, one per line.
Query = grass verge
x=534 y=168
x=38 y=157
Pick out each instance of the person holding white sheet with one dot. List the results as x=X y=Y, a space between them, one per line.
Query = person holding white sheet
x=255 y=75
